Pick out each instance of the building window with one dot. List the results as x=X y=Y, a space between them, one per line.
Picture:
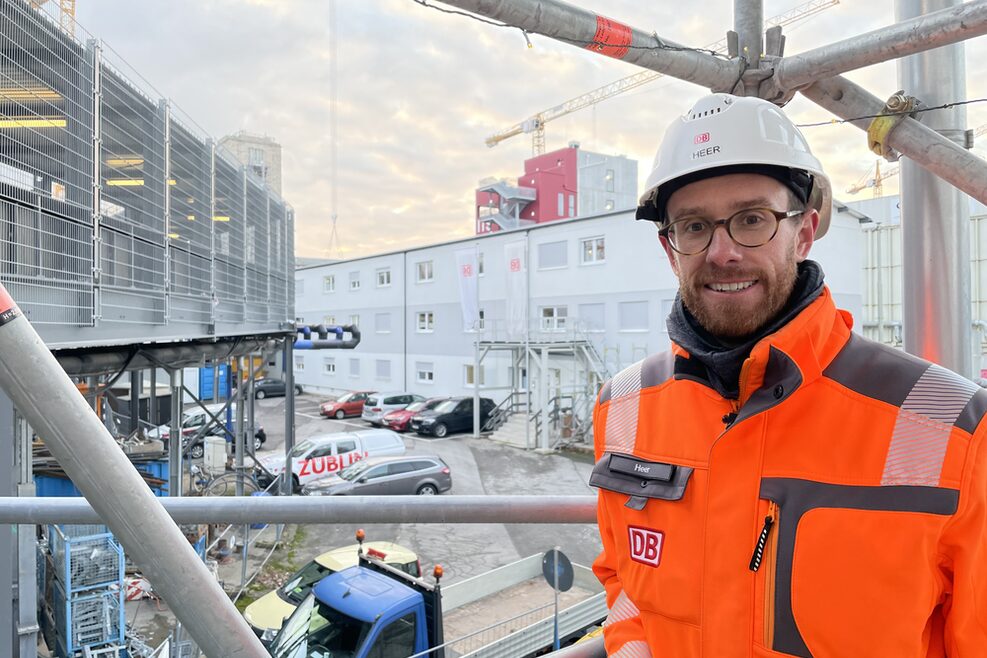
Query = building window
x=553 y=317
x=354 y=280
x=552 y=255
x=382 y=323
x=299 y=364
x=572 y=205
x=468 y=375
x=383 y=369
x=609 y=178
x=424 y=372
x=383 y=278
x=593 y=250
x=328 y=366
x=426 y=322
x=591 y=317
x=561 y=208
x=633 y=316
x=425 y=272
x=329 y=320
x=255 y=156
x=355 y=320
x=354 y=367
x=329 y=283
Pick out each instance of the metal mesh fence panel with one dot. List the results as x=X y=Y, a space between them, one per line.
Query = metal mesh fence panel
x=190 y=195
x=114 y=206
x=256 y=237
x=228 y=222
x=229 y=292
x=46 y=97
x=190 y=287
x=256 y=295
x=46 y=264
x=277 y=260
x=132 y=168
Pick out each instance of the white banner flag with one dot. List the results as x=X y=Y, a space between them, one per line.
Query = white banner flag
x=468 y=288
x=517 y=289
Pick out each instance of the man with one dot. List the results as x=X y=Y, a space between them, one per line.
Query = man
x=776 y=485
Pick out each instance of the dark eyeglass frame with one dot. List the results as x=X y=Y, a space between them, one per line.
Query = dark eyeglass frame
x=779 y=215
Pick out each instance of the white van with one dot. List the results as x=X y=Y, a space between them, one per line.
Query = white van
x=319 y=456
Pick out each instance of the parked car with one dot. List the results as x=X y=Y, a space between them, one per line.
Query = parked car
x=379 y=404
x=270 y=387
x=266 y=614
x=322 y=455
x=348 y=404
x=400 y=420
x=423 y=475
x=452 y=415
x=193 y=420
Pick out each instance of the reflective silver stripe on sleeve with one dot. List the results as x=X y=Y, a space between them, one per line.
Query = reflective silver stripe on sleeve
x=622 y=608
x=921 y=432
x=625 y=400
x=635 y=649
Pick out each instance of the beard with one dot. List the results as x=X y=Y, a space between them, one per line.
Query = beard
x=726 y=319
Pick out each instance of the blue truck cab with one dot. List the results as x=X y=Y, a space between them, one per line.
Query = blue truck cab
x=371 y=610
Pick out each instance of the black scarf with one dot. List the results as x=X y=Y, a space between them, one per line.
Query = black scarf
x=723 y=362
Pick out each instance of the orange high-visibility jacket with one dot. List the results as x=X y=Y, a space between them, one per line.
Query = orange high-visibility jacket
x=838 y=509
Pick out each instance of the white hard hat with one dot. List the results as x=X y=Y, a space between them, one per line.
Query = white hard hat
x=725 y=134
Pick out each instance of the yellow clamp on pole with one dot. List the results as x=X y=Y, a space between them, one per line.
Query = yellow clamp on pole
x=895 y=111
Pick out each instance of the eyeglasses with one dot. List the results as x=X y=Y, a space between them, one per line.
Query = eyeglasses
x=751 y=227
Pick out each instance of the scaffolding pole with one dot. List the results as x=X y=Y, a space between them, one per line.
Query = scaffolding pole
x=50 y=402
x=317 y=509
x=935 y=216
x=908 y=37
x=587 y=29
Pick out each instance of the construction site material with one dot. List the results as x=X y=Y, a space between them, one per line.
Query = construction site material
x=54 y=407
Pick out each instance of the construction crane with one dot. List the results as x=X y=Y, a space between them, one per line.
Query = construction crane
x=536 y=124
x=66 y=13
x=876 y=182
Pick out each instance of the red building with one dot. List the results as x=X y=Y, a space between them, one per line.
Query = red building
x=566 y=183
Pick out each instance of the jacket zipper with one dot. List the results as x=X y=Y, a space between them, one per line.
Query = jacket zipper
x=764 y=556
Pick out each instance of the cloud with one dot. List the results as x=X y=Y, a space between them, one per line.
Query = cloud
x=419 y=91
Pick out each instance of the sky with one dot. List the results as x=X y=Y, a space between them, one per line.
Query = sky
x=419 y=90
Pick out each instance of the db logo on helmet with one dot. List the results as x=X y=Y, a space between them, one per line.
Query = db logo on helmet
x=701 y=138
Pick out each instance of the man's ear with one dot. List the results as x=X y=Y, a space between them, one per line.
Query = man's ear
x=806 y=234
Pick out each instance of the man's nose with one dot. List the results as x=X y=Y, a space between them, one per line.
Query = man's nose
x=722 y=249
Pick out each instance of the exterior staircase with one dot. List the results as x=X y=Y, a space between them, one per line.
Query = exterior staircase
x=512 y=432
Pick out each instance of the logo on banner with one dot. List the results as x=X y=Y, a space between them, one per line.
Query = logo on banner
x=467 y=270
x=701 y=138
x=646 y=545
x=515 y=265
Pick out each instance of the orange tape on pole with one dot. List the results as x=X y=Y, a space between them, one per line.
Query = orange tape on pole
x=612 y=38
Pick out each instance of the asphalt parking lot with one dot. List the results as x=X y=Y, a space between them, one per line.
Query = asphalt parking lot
x=478 y=466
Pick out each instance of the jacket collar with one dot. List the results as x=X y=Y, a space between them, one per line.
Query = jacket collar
x=791 y=357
